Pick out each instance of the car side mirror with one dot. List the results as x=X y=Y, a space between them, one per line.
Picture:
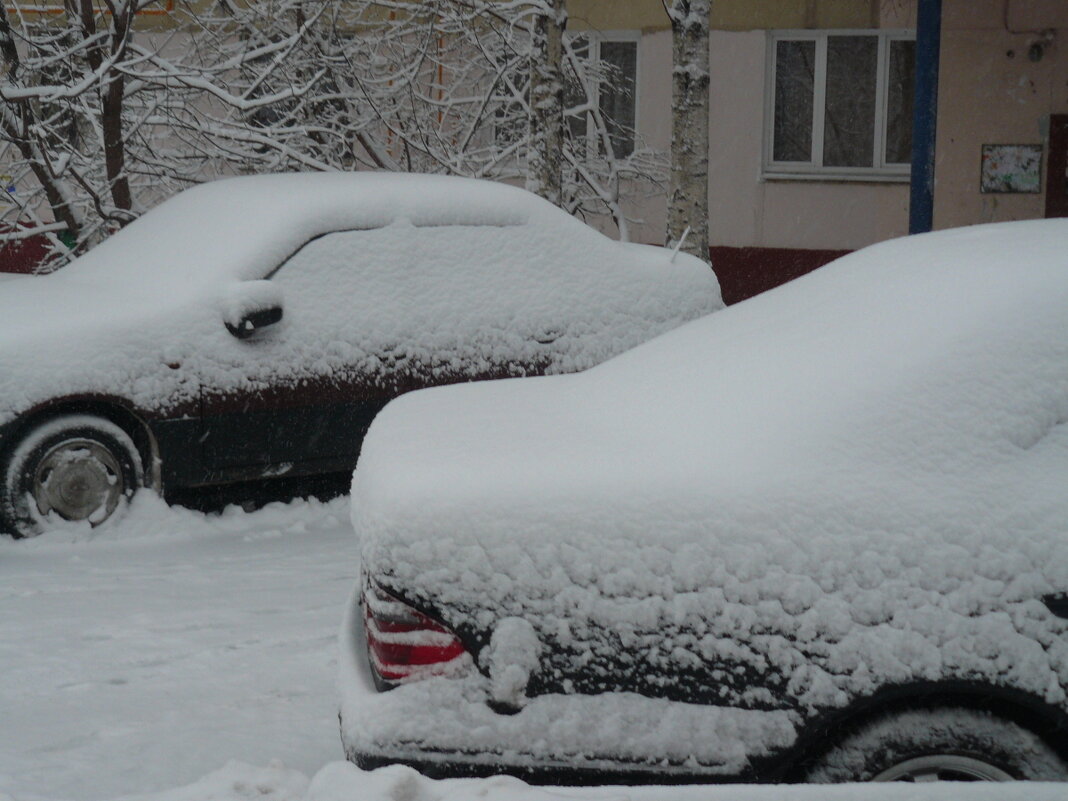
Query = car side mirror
x=251 y=306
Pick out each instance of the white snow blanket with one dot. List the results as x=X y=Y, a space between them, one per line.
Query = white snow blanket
x=853 y=482
x=378 y=274
x=340 y=781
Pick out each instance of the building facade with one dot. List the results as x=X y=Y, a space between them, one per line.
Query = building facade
x=810 y=121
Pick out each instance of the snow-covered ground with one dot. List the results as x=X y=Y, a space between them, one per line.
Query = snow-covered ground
x=187 y=657
x=148 y=655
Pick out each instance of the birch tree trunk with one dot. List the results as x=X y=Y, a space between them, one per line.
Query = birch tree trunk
x=688 y=195
x=546 y=146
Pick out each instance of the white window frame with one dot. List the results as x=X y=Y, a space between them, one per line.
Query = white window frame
x=813 y=169
x=596 y=38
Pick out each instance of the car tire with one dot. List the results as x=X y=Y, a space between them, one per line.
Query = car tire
x=74 y=469
x=944 y=744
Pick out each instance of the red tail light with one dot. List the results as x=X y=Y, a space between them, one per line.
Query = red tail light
x=405 y=645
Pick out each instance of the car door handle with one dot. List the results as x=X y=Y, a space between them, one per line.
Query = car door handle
x=1057 y=603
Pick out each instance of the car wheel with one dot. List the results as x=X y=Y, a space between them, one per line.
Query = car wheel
x=76 y=468
x=926 y=745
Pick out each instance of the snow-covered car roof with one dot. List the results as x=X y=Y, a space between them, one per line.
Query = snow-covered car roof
x=853 y=465
x=240 y=229
x=232 y=228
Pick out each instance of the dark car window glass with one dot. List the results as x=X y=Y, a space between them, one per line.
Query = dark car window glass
x=900 y=89
x=794 y=82
x=849 y=118
x=420 y=294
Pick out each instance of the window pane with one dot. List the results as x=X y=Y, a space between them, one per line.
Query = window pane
x=795 y=64
x=575 y=96
x=849 y=121
x=620 y=61
x=900 y=86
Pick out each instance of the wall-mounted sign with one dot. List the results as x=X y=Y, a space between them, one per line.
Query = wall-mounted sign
x=1011 y=168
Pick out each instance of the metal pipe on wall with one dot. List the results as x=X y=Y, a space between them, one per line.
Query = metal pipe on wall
x=925 y=115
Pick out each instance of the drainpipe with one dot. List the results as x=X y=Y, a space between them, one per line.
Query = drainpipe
x=925 y=115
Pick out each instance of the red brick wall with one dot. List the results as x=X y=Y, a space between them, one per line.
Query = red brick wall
x=22 y=255
x=744 y=272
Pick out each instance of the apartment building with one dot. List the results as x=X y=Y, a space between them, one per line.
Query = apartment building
x=811 y=120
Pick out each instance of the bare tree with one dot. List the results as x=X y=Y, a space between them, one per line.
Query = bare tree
x=100 y=120
x=688 y=195
x=102 y=116
x=478 y=88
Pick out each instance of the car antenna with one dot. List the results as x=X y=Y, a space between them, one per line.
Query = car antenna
x=682 y=241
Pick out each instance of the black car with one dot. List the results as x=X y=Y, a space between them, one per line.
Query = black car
x=821 y=535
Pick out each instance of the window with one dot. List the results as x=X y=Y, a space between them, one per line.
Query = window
x=610 y=64
x=606 y=79
x=839 y=105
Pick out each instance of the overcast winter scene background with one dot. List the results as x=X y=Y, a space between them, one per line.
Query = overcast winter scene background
x=797 y=517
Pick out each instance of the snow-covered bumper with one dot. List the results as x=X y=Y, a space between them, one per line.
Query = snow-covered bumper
x=446 y=727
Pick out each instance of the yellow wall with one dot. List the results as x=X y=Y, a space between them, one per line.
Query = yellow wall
x=727 y=15
x=616 y=15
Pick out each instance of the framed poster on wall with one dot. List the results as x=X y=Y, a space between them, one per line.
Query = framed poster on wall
x=1011 y=169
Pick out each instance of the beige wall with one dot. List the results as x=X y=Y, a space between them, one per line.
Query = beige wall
x=612 y=15
x=748 y=211
x=728 y=15
x=745 y=210
x=986 y=96
x=748 y=15
x=990 y=93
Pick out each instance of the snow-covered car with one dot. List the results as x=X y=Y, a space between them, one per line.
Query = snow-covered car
x=253 y=327
x=821 y=535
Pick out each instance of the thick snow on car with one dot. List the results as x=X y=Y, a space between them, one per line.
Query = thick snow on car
x=820 y=535
x=252 y=327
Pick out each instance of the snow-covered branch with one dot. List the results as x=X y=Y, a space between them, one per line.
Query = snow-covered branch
x=101 y=118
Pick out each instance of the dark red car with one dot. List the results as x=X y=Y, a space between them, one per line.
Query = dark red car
x=252 y=328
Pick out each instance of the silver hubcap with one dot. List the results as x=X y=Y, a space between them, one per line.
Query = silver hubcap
x=943 y=767
x=78 y=480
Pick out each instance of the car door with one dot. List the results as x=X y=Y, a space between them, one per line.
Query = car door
x=297 y=397
x=367 y=315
